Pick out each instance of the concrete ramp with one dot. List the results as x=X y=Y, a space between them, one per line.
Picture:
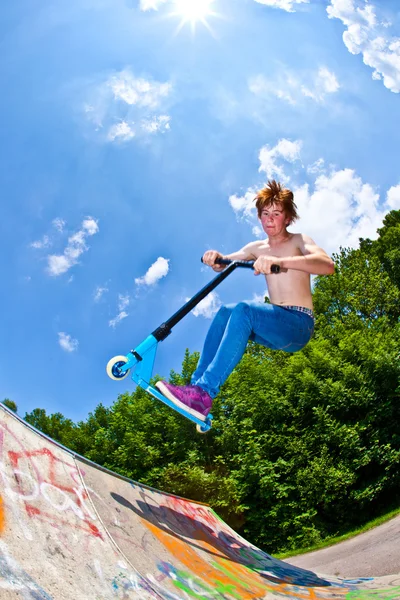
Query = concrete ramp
x=72 y=530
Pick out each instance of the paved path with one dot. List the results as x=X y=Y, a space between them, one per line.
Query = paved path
x=373 y=553
x=71 y=530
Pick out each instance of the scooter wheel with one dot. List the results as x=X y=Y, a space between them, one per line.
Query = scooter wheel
x=201 y=429
x=113 y=367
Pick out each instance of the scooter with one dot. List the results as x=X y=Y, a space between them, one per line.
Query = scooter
x=141 y=359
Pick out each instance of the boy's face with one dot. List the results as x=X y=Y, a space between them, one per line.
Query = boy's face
x=273 y=219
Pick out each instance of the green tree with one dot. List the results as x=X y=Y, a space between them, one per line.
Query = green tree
x=55 y=426
x=10 y=404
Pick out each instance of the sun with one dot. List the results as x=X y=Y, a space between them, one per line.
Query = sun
x=193 y=11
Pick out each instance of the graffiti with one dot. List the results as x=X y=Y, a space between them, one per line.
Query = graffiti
x=15 y=579
x=187 y=583
x=227 y=578
x=193 y=587
x=390 y=594
x=227 y=565
x=35 y=479
x=2 y=516
x=177 y=516
x=21 y=486
x=126 y=582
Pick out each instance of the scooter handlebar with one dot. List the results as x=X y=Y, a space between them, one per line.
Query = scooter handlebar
x=248 y=264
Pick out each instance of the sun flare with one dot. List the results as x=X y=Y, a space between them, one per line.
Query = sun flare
x=193 y=11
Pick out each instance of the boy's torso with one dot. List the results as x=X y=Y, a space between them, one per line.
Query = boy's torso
x=290 y=287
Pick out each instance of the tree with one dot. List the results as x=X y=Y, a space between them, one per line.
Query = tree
x=10 y=404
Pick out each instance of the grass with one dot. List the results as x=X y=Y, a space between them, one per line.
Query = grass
x=342 y=538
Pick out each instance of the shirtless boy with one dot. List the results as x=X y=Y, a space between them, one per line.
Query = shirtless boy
x=287 y=323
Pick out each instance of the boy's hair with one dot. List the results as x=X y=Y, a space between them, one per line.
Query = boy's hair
x=274 y=193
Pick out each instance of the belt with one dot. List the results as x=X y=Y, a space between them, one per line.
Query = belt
x=303 y=309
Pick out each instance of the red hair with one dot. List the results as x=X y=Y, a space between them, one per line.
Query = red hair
x=274 y=193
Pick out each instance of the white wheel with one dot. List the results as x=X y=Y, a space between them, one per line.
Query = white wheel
x=200 y=429
x=112 y=368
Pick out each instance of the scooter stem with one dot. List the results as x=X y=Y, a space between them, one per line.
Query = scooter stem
x=165 y=328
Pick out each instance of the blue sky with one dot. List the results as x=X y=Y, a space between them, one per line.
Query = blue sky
x=134 y=138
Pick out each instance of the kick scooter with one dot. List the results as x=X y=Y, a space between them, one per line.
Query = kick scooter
x=141 y=359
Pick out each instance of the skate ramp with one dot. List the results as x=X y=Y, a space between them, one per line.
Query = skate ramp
x=72 y=530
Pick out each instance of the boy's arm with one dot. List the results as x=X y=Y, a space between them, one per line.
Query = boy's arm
x=314 y=260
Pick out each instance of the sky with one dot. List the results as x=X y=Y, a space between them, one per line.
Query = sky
x=135 y=134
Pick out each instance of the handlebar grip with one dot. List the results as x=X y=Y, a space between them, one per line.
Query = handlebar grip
x=244 y=263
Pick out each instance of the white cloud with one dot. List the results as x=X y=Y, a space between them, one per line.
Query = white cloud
x=99 y=293
x=257 y=231
x=208 y=307
x=58 y=224
x=124 y=132
x=67 y=343
x=46 y=241
x=43 y=243
x=120 y=317
x=160 y=123
x=288 y=5
x=124 y=107
x=260 y=298
x=293 y=87
x=393 y=197
x=138 y=91
x=121 y=131
x=154 y=273
x=244 y=208
x=324 y=83
x=339 y=210
x=61 y=263
x=317 y=167
x=284 y=150
x=336 y=209
x=367 y=36
x=90 y=226
x=123 y=303
x=283 y=87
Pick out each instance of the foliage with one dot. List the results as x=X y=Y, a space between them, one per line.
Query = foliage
x=10 y=404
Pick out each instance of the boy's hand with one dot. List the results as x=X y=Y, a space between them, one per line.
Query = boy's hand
x=263 y=264
x=209 y=259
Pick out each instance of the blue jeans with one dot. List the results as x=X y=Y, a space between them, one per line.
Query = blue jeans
x=270 y=325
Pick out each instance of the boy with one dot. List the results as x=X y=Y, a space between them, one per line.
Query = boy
x=287 y=323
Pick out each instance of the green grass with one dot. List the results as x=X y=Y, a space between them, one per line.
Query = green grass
x=336 y=540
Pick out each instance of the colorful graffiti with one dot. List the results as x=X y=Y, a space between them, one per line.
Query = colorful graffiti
x=2 y=516
x=223 y=577
x=390 y=594
x=15 y=579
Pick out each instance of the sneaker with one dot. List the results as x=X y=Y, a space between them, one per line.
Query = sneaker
x=192 y=398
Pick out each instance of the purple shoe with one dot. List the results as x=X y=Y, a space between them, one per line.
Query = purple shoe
x=191 y=398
